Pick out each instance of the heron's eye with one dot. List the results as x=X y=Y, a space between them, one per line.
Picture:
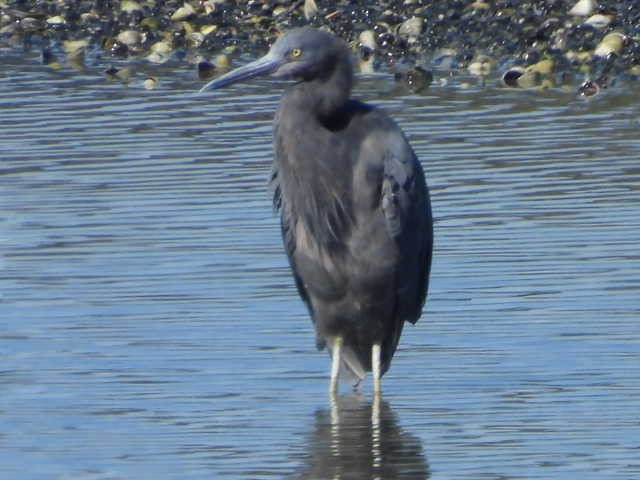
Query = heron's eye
x=296 y=52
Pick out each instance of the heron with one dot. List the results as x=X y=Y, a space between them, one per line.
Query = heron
x=354 y=205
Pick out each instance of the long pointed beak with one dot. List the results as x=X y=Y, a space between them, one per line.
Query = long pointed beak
x=263 y=66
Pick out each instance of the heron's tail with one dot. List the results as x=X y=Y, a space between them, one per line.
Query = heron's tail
x=351 y=367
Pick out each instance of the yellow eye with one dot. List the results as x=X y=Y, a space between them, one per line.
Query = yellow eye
x=296 y=52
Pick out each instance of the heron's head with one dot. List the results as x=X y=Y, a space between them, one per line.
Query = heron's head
x=302 y=54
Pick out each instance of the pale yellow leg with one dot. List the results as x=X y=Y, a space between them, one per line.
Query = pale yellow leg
x=375 y=368
x=335 y=365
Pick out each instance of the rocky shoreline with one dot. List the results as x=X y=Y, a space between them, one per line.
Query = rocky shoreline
x=529 y=44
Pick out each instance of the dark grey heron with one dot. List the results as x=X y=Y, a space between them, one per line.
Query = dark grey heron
x=354 y=204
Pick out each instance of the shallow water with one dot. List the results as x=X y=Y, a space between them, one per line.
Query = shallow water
x=149 y=327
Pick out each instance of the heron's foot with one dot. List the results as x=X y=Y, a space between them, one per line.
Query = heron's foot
x=356 y=385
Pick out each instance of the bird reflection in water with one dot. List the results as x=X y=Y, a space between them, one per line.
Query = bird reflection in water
x=357 y=439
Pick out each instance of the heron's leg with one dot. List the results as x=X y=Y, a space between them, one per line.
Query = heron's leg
x=375 y=368
x=335 y=365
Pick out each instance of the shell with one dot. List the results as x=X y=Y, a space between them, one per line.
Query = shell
x=162 y=47
x=537 y=75
x=410 y=28
x=583 y=8
x=481 y=65
x=206 y=70
x=194 y=39
x=223 y=62
x=56 y=20
x=543 y=67
x=150 y=83
x=115 y=47
x=511 y=76
x=131 y=38
x=589 y=89
x=310 y=9
x=599 y=20
x=368 y=40
x=75 y=48
x=129 y=6
x=183 y=13
x=207 y=29
x=416 y=79
x=612 y=43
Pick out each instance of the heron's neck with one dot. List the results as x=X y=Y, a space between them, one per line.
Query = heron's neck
x=323 y=97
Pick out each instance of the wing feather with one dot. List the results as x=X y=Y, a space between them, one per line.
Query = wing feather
x=407 y=210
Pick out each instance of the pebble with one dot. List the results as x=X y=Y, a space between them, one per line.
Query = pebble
x=496 y=40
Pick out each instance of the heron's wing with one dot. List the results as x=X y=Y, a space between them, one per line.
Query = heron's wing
x=289 y=240
x=288 y=231
x=404 y=200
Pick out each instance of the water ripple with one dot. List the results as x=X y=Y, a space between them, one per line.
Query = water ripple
x=150 y=328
